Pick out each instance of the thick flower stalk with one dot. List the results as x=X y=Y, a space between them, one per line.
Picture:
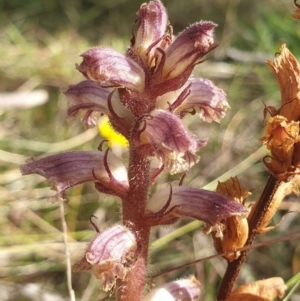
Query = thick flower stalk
x=145 y=93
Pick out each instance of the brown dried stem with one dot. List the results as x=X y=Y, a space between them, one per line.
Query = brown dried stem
x=261 y=209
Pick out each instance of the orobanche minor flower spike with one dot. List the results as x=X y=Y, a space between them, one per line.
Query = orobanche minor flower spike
x=145 y=93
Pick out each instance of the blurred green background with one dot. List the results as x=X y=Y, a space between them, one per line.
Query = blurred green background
x=40 y=43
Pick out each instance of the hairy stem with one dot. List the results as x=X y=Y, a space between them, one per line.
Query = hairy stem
x=133 y=213
x=234 y=267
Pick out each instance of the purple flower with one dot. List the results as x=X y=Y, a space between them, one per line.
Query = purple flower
x=91 y=101
x=72 y=168
x=170 y=141
x=206 y=97
x=110 y=68
x=180 y=290
x=109 y=255
x=150 y=34
x=167 y=205
x=187 y=49
x=87 y=99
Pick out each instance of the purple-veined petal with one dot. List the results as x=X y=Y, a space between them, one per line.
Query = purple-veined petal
x=90 y=100
x=110 y=68
x=151 y=26
x=188 y=48
x=178 y=60
x=187 y=289
x=68 y=169
x=171 y=141
x=205 y=96
x=109 y=255
x=87 y=98
x=208 y=206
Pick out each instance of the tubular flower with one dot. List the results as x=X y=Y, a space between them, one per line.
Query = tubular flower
x=109 y=255
x=198 y=93
x=151 y=26
x=209 y=99
x=185 y=202
x=89 y=98
x=167 y=137
x=145 y=93
x=188 y=48
x=110 y=68
x=179 y=290
x=69 y=169
x=91 y=101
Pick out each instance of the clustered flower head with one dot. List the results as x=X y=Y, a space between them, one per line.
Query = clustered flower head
x=145 y=93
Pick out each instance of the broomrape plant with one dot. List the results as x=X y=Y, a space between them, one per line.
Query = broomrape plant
x=145 y=93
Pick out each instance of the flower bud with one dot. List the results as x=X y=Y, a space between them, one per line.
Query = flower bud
x=151 y=26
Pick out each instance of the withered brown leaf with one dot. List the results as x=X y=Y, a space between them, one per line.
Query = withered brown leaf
x=287 y=70
x=296 y=14
x=262 y=290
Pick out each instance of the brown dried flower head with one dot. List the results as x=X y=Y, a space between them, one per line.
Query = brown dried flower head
x=236 y=231
x=282 y=129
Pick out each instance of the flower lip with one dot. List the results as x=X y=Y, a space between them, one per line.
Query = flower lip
x=204 y=95
x=87 y=97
